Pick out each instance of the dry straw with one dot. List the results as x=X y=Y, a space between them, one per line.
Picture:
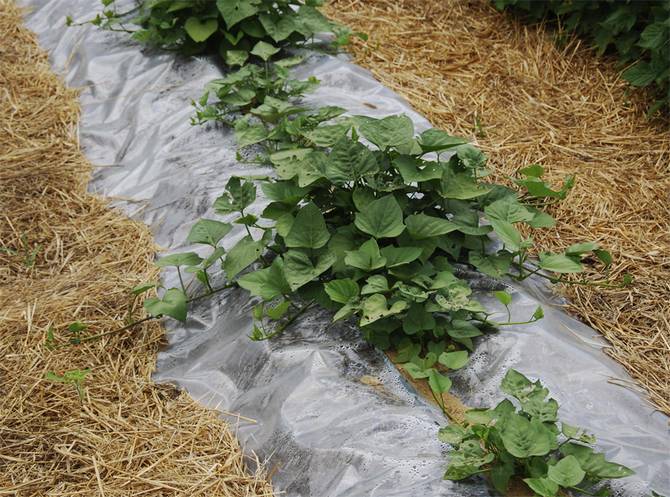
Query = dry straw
x=127 y=436
x=524 y=98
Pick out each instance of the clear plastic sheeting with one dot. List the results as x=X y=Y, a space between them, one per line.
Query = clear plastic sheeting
x=324 y=408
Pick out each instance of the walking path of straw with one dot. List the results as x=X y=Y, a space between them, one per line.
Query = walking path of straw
x=127 y=436
x=476 y=72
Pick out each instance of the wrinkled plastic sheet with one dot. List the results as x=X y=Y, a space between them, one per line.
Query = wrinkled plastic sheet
x=320 y=421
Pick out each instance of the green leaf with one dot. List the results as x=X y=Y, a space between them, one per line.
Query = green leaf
x=508 y=209
x=439 y=384
x=264 y=50
x=76 y=327
x=417 y=319
x=421 y=226
x=367 y=257
x=375 y=284
x=559 y=263
x=654 y=35
x=641 y=74
x=542 y=486
x=327 y=136
x=454 y=360
x=501 y=473
x=567 y=472
x=266 y=283
x=309 y=229
x=534 y=171
x=300 y=270
x=342 y=291
x=248 y=134
x=436 y=140
x=244 y=253
x=392 y=131
x=237 y=197
x=415 y=371
x=233 y=11
x=286 y=192
x=375 y=307
x=142 y=288
x=200 y=30
x=172 y=304
x=350 y=161
x=397 y=256
x=516 y=384
x=471 y=157
x=382 y=218
x=496 y=266
x=461 y=186
x=593 y=463
x=523 y=438
x=279 y=27
x=238 y=58
x=510 y=236
x=579 y=249
x=537 y=407
x=279 y=311
x=503 y=297
x=415 y=170
x=208 y=232
x=183 y=259
x=452 y=434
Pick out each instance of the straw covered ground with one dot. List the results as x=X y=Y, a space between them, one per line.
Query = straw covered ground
x=524 y=98
x=66 y=256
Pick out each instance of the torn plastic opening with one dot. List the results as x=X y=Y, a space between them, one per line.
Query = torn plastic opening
x=321 y=417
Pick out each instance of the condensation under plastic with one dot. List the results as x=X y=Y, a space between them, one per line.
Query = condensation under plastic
x=319 y=421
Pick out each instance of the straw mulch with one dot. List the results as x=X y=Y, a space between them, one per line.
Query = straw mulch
x=526 y=99
x=66 y=256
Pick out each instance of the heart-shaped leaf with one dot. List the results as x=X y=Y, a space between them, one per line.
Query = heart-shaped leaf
x=172 y=304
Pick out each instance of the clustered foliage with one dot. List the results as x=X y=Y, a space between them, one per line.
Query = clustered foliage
x=365 y=218
x=637 y=31
x=235 y=29
x=376 y=231
x=527 y=442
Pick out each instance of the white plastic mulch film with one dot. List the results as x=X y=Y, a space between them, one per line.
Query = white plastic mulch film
x=324 y=408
